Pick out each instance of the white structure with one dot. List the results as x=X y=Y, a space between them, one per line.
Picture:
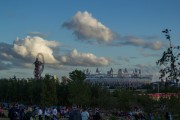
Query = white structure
x=123 y=79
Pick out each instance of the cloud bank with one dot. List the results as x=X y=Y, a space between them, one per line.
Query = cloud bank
x=83 y=59
x=31 y=46
x=22 y=54
x=137 y=42
x=86 y=27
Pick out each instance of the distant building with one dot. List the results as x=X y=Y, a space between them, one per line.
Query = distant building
x=123 y=79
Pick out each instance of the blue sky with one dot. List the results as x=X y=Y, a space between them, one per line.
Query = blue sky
x=85 y=34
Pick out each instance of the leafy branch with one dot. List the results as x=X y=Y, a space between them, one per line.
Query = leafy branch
x=170 y=61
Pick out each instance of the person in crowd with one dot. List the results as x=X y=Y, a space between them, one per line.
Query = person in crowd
x=22 y=112
x=62 y=112
x=168 y=116
x=90 y=114
x=40 y=112
x=54 y=113
x=14 y=112
x=47 y=113
x=97 y=115
x=151 y=116
x=1 y=112
x=84 y=114
x=75 y=114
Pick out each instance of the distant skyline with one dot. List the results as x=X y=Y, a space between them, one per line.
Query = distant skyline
x=85 y=34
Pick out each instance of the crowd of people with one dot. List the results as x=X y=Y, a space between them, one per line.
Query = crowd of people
x=76 y=114
x=20 y=112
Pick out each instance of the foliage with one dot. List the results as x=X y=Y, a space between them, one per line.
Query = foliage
x=78 y=89
x=145 y=101
x=62 y=94
x=49 y=92
x=30 y=91
x=170 y=61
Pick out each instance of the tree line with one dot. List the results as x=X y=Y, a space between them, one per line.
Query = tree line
x=50 y=92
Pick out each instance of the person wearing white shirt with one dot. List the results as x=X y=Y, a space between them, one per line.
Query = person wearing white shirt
x=47 y=113
x=40 y=113
x=84 y=114
x=54 y=113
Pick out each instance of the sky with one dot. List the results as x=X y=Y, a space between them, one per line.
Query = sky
x=85 y=34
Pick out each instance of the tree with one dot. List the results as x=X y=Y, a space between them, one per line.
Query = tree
x=78 y=88
x=170 y=61
x=77 y=75
x=62 y=93
x=48 y=91
x=126 y=99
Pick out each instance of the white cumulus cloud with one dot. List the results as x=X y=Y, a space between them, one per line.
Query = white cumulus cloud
x=86 y=27
x=22 y=54
x=29 y=47
x=83 y=59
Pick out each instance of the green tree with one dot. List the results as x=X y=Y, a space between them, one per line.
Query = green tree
x=29 y=91
x=3 y=89
x=78 y=88
x=125 y=99
x=94 y=94
x=106 y=100
x=145 y=101
x=170 y=61
x=48 y=91
x=62 y=93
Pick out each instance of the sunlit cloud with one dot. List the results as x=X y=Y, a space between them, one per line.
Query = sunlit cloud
x=29 y=47
x=22 y=54
x=75 y=58
x=87 y=28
